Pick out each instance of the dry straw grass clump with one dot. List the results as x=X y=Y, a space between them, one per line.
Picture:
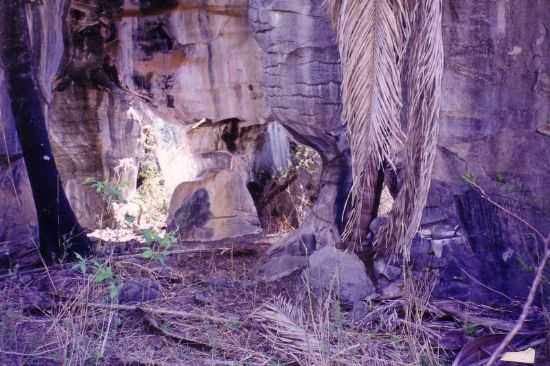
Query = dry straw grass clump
x=315 y=331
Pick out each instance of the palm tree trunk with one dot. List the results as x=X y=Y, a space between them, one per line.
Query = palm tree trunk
x=59 y=230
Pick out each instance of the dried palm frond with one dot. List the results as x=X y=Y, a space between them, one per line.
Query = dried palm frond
x=372 y=38
x=422 y=80
x=285 y=326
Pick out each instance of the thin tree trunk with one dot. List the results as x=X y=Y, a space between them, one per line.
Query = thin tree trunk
x=59 y=230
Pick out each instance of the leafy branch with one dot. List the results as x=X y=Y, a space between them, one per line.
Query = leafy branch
x=102 y=273
x=159 y=245
x=106 y=189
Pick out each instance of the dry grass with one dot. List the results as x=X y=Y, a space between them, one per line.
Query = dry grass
x=75 y=333
x=209 y=311
x=315 y=331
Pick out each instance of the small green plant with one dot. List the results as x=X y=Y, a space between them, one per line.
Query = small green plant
x=469 y=177
x=108 y=190
x=82 y=264
x=470 y=329
x=129 y=219
x=102 y=273
x=158 y=246
x=499 y=178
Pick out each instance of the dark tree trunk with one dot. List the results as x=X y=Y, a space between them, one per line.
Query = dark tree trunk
x=59 y=231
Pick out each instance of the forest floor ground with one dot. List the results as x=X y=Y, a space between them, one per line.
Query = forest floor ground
x=206 y=307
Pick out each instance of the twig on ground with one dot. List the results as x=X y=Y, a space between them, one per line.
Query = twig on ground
x=153 y=310
x=36 y=354
x=238 y=250
x=153 y=323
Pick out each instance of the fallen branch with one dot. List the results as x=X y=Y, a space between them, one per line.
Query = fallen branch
x=153 y=323
x=153 y=310
x=235 y=249
x=36 y=354
x=148 y=313
x=495 y=356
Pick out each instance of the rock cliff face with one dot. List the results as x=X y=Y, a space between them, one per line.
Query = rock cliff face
x=496 y=104
x=209 y=77
x=301 y=84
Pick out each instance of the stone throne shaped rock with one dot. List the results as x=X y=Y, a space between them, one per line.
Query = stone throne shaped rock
x=214 y=207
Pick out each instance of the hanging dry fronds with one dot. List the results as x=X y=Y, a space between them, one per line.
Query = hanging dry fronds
x=371 y=37
x=392 y=59
x=422 y=80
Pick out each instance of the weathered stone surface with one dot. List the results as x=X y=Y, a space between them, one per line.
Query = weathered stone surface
x=9 y=142
x=302 y=71
x=343 y=273
x=94 y=135
x=17 y=216
x=18 y=226
x=487 y=267
x=392 y=290
x=281 y=266
x=273 y=155
x=174 y=67
x=495 y=103
x=495 y=98
x=215 y=207
x=388 y=271
x=433 y=215
x=137 y=291
x=194 y=62
x=168 y=67
x=301 y=84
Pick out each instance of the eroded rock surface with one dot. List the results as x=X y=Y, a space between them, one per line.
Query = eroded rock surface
x=333 y=271
x=302 y=90
x=215 y=207
x=496 y=97
x=17 y=217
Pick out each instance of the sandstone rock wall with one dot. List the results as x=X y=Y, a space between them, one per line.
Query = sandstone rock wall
x=496 y=100
x=157 y=65
x=172 y=64
x=302 y=90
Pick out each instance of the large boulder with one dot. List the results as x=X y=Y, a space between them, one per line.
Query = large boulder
x=215 y=207
x=342 y=273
